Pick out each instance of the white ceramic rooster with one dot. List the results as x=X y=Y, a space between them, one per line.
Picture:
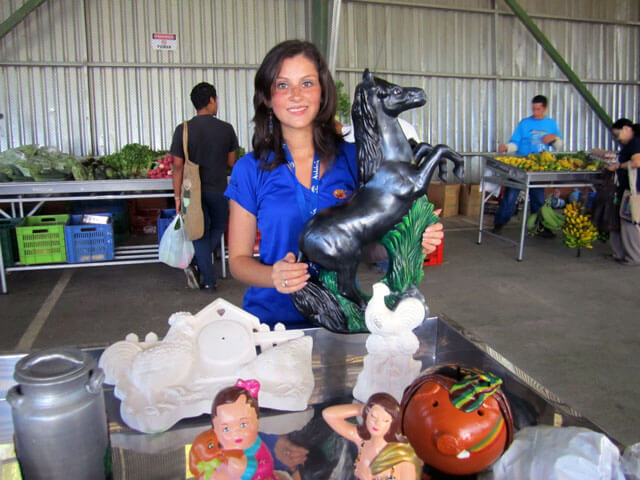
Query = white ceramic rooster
x=389 y=365
x=392 y=330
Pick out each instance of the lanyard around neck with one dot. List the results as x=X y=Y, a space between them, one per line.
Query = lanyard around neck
x=308 y=206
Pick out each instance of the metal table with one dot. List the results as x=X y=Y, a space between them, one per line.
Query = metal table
x=19 y=194
x=495 y=171
x=337 y=360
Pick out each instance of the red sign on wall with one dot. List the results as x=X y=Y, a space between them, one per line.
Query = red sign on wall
x=164 y=41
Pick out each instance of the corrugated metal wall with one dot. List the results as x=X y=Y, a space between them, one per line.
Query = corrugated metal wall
x=480 y=66
x=81 y=75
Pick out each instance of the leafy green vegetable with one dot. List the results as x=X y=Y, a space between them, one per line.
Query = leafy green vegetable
x=133 y=161
x=30 y=162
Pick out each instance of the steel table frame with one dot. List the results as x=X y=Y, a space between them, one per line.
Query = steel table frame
x=510 y=176
x=18 y=194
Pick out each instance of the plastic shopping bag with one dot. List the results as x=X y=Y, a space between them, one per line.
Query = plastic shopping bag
x=176 y=250
x=558 y=453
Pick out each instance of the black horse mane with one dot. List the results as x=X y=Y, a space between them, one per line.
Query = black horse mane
x=365 y=129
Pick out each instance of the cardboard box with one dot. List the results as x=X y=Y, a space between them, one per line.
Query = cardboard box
x=470 y=199
x=444 y=196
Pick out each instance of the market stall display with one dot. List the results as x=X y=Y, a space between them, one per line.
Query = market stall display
x=500 y=173
x=21 y=196
x=337 y=360
x=29 y=163
x=559 y=162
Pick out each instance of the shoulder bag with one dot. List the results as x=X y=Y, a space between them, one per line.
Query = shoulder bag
x=605 y=213
x=191 y=196
x=630 y=205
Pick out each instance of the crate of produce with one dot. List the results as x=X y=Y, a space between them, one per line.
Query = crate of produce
x=435 y=257
x=143 y=215
x=144 y=222
x=164 y=219
x=41 y=239
x=89 y=242
x=119 y=210
x=8 y=241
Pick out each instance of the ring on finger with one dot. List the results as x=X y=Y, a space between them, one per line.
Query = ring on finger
x=284 y=283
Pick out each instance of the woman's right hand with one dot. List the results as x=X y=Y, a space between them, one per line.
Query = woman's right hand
x=288 y=275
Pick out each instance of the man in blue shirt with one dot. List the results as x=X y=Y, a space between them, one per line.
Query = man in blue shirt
x=533 y=134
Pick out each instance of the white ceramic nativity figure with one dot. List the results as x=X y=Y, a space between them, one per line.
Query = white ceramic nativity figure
x=161 y=381
x=389 y=365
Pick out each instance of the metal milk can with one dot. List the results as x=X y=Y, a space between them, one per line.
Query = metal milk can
x=59 y=417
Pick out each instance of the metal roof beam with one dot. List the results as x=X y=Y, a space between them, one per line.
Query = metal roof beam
x=559 y=61
x=18 y=16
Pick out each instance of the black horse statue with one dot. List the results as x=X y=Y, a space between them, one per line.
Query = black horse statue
x=391 y=179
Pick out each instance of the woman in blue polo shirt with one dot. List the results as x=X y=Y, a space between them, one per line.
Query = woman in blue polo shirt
x=299 y=165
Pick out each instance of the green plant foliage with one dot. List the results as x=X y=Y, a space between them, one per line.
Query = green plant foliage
x=404 y=247
x=344 y=105
x=355 y=317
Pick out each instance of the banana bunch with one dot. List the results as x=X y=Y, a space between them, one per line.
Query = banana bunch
x=579 y=231
x=569 y=163
x=524 y=163
x=551 y=219
x=546 y=217
x=546 y=161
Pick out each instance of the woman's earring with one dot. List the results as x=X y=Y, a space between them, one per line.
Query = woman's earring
x=270 y=122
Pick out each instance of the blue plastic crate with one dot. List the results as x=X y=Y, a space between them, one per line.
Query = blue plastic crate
x=164 y=219
x=118 y=208
x=88 y=242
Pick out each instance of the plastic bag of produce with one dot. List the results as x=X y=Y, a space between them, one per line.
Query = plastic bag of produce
x=558 y=453
x=176 y=250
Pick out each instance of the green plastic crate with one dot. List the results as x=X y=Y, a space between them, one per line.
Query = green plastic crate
x=8 y=241
x=41 y=239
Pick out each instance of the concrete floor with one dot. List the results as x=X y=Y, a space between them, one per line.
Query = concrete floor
x=571 y=323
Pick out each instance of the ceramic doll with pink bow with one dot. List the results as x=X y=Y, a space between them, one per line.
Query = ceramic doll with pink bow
x=234 y=415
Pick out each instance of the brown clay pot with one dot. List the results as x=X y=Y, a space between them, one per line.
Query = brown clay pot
x=447 y=438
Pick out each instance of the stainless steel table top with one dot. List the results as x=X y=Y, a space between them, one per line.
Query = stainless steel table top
x=337 y=360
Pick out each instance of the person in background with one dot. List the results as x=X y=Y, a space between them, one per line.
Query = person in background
x=299 y=165
x=533 y=134
x=212 y=145
x=626 y=243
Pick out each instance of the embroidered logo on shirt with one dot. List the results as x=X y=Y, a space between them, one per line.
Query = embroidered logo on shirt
x=340 y=193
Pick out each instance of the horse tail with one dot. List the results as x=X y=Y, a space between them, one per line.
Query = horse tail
x=318 y=305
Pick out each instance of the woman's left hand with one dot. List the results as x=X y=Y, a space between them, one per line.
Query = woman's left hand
x=432 y=237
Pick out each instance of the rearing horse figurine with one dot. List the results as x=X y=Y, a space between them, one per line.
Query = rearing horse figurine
x=391 y=180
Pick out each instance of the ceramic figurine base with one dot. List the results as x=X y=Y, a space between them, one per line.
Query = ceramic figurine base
x=162 y=381
x=389 y=365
